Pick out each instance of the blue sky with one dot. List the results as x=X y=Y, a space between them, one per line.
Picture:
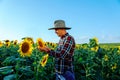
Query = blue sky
x=87 y=18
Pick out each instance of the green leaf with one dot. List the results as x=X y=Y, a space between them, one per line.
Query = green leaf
x=6 y=70
x=10 y=77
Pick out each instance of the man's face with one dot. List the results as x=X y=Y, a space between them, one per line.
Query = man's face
x=59 y=32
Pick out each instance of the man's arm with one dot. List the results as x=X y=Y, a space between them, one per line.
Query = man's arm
x=68 y=44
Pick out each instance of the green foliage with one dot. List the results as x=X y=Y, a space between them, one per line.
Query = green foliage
x=92 y=65
x=101 y=64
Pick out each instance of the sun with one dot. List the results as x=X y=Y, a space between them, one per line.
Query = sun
x=25 y=48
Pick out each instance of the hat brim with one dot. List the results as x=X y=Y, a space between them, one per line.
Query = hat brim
x=67 y=28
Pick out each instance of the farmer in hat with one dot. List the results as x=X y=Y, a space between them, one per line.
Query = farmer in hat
x=64 y=53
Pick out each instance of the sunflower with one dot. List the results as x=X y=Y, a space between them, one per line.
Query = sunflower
x=29 y=39
x=15 y=42
x=114 y=66
x=1 y=44
x=106 y=57
x=40 y=43
x=7 y=43
x=25 y=48
x=44 y=60
x=95 y=48
x=96 y=40
x=77 y=46
x=118 y=49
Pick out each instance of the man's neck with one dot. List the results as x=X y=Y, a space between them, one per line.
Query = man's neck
x=63 y=34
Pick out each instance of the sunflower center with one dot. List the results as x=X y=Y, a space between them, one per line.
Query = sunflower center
x=40 y=44
x=44 y=60
x=25 y=47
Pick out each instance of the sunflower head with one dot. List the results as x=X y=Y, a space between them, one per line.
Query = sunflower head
x=96 y=40
x=29 y=39
x=106 y=57
x=1 y=44
x=15 y=42
x=44 y=60
x=77 y=46
x=25 y=48
x=7 y=43
x=40 y=42
x=95 y=48
x=93 y=42
x=7 y=40
x=114 y=66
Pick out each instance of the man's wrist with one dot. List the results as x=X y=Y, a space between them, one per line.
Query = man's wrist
x=48 y=51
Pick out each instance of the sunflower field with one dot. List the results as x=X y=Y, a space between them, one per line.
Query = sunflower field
x=23 y=61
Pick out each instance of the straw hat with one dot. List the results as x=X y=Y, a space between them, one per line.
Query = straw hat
x=59 y=24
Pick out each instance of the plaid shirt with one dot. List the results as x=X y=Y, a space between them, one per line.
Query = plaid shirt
x=64 y=54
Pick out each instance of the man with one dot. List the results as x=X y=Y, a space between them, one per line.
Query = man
x=64 y=53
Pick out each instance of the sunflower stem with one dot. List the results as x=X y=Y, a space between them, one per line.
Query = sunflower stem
x=36 y=65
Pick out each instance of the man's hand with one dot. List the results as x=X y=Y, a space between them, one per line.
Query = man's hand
x=44 y=49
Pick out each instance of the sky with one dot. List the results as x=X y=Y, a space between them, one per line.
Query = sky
x=87 y=18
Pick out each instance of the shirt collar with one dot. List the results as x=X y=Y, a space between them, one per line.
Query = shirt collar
x=64 y=35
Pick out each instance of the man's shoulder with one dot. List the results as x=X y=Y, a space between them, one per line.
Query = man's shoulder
x=70 y=36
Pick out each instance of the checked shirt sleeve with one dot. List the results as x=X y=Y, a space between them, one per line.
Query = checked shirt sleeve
x=66 y=49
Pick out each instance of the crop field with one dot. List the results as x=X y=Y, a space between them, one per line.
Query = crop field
x=92 y=61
